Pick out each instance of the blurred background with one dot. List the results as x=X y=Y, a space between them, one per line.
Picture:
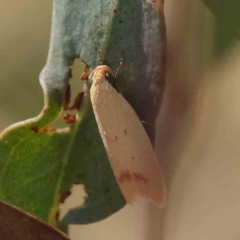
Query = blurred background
x=198 y=134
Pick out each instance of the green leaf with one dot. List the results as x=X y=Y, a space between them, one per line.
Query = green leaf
x=227 y=25
x=43 y=165
x=37 y=167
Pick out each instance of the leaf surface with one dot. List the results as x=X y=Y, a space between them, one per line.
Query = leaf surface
x=38 y=168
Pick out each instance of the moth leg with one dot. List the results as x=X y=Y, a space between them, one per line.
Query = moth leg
x=117 y=73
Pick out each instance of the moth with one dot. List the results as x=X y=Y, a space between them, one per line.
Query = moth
x=128 y=147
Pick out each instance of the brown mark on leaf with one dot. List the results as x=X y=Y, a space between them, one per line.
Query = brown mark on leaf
x=67 y=98
x=45 y=110
x=85 y=74
x=125 y=176
x=77 y=102
x=49 y=129
x=34 y=128
x=69 y=118
x=115 y=11
x=66 y=116
x=64 y=196
x=140 y=178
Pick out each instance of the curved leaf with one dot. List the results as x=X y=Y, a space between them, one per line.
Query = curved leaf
x=17 y=225
x=38 y=167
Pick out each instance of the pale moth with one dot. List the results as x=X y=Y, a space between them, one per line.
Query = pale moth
x=128 y=147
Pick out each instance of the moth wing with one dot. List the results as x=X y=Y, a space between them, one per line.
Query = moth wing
x=129 y=150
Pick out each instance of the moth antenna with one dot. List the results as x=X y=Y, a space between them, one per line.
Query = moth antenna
x=119 y=67
x=100 y=58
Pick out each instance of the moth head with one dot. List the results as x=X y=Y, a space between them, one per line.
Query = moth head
x=101 y=74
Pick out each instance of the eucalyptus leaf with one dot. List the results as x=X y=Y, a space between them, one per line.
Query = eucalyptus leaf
x=38 y=167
